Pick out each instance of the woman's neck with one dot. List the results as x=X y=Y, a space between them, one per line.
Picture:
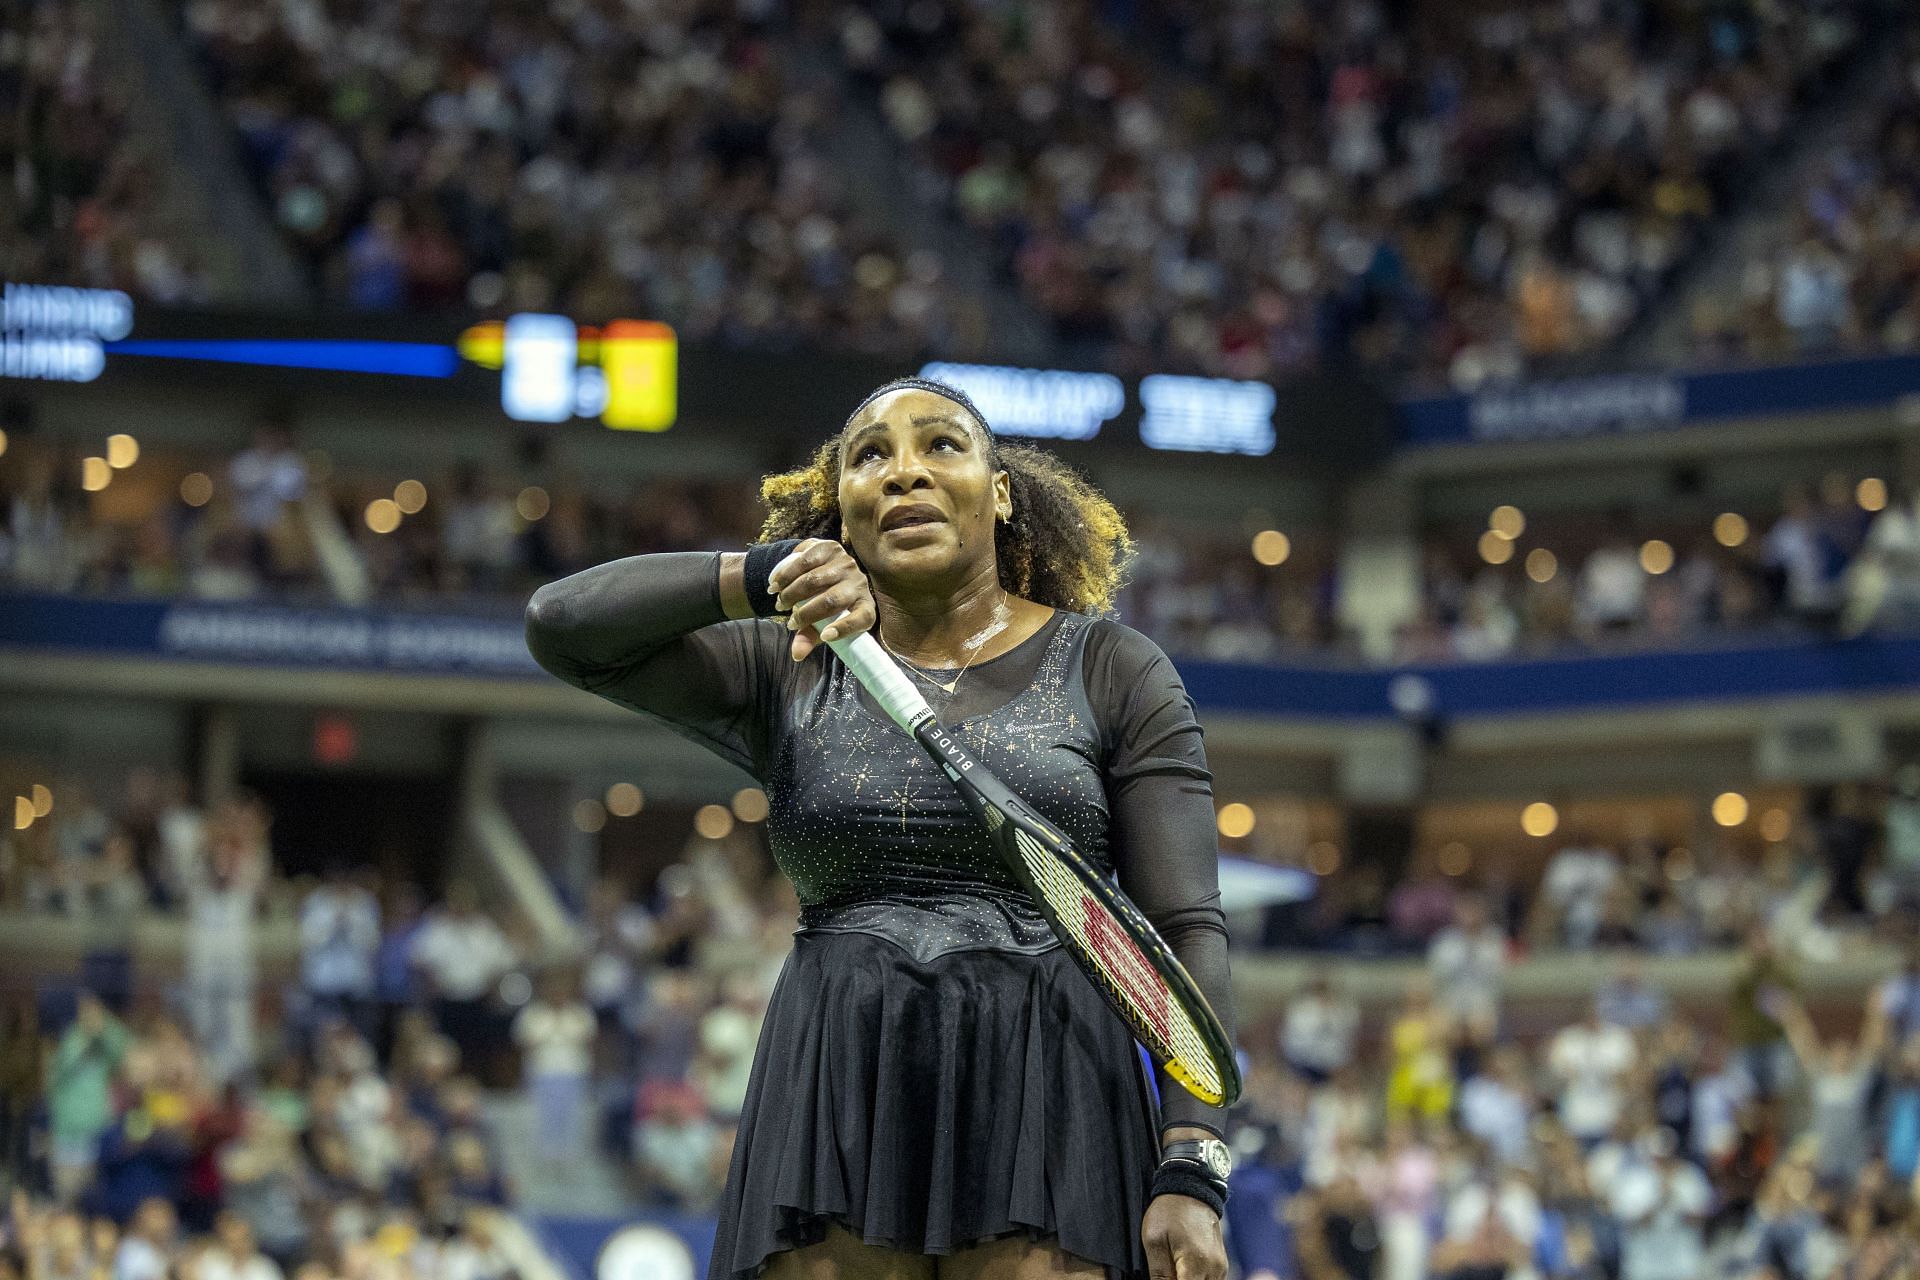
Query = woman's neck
x=952 y=628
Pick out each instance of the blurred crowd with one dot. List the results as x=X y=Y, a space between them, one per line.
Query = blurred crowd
x=1454 y=194
x=1841 y=268
x=1633 y=1140
x=1836 y=868
x=339 y=1126
x=591 y=157
x=1453 y=190
x=1240 y=190
x=1837 y=557
x=84 y=200
x=228 y=1128
x=274 y=520
x=639 y=1045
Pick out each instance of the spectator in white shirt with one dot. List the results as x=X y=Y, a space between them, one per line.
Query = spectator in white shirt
x=728 y=1034
x=555 y=1032
x=1661 y=1202
x=183 y=838
x=1591 y=1059
x=1797 y=551
x=676 y=1145
x=339 y=940
x=266 y=477
x=234 y=1255
x=1496 y=1106
x=144 y=1251
x=619 y=936
x=221 y=905
x=1318 y=1033
x=462 y=955
x=1467 y=961
x=1883 y=582
x=1613 y=587
x=1577 y=882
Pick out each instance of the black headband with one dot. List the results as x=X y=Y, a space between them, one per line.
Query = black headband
x=942 y=389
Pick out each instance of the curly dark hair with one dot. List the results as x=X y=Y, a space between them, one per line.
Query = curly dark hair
x=1066 y=546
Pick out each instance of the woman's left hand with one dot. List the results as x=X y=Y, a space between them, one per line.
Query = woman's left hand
x=1183 y=1240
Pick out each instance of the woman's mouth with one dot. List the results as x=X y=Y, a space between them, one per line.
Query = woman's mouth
x=918 y=515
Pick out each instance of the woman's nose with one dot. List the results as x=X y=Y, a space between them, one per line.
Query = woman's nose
x=905 y=474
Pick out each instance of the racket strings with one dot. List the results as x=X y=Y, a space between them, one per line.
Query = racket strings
x=1139 y=989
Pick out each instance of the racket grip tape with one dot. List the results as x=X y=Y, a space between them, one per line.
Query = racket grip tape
x=882 y=677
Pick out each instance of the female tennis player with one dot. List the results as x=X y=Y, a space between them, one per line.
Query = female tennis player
x=938 y=1091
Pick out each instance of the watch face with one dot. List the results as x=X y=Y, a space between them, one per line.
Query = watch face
x=1218 y=1158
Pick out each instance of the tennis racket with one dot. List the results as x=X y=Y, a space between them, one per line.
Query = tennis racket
x=1115 y=946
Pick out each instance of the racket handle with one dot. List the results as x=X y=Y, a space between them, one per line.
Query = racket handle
x=882 y=677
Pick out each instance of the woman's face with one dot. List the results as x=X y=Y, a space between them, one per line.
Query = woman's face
x=918 y=498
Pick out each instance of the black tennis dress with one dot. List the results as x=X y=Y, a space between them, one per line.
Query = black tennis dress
x=934 y=1071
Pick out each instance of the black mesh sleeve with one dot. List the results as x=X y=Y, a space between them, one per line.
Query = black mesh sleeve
x=649 y=634
x=1160 y=794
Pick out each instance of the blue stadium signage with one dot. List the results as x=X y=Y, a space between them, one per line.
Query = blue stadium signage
x=1187 y=415
x=1041 y=404
x=54 y=334
x=1627 y=402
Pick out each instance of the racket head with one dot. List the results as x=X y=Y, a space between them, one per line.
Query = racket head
x=1116 y=946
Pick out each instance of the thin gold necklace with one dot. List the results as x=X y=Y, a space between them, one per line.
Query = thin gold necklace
x=979 y=646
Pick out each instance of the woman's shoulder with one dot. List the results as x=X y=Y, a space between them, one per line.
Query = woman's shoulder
x=1118 y=648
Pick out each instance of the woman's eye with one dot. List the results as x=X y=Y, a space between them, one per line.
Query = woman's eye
x=948 y=441
x=867 y=453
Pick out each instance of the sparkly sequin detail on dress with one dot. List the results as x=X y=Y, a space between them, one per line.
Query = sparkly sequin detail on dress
x=875 y=839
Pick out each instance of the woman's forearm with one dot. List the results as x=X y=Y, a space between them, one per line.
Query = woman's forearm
x=613 y=614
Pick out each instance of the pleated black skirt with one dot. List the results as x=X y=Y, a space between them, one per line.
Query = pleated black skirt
x=931 y=1106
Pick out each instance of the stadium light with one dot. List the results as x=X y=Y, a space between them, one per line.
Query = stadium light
x=1539 y=819
x=1323 y=857
x=383 y=515
x=1507 y=521
x=95 y=474
x=1235 y=821
x=1730 y=528
x=1542 y=564
x=533 y=503
x=750 y=804
x=42 y=800
x=410 y=496
x=713 y=821
x=1730 y=808
x=1776 y=825
x=1271 y=547
x=589 y=816
x=196 y=490
x=1656 y=556
x=624 y=799
x=1495 y=549
x=122 y=451
x=1871 y=494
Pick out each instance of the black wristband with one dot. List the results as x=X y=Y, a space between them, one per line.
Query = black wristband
x=761 y=558
x=1183 y=1178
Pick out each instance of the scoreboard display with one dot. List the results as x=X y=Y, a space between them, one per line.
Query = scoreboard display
x=550 y=369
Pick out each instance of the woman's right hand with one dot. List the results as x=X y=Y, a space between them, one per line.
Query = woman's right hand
x=817 y=582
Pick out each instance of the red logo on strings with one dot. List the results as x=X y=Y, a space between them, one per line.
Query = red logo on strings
x=1123 y=961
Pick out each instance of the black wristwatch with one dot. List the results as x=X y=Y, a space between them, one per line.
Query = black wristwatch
x=1210 y=1156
